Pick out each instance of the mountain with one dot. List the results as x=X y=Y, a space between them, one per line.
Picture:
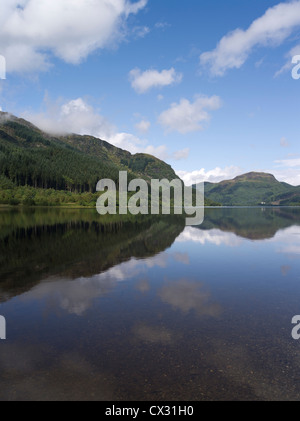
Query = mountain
x=253 y=189
x=31 y=161
x=73 y=161
x=141 y=165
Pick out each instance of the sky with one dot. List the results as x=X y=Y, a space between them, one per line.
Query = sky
x=206 y=86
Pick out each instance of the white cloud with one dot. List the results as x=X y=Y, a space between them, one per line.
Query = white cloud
x=187 y=117
x=143 y=126
x=142 y=82
x=127 y=141
x=75 y=116
x=183 y=154
x=271 y=29
x=160 y=152
x=78 y=116
x=214 y=176
x=32 y=30
x=288 y=171
x=162 y=25
x=140 y=31
x=294 y=162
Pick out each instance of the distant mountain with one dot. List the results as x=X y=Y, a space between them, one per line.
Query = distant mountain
x=253 y=189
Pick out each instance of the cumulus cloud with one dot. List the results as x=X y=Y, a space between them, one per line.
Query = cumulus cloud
x=142 y=82
x=140 y=31
x=213 y=176
x=128 y=142
x=183 y=154
x=271 y=29
x=33 y=30
x=288 y=171
x=187 y=116
x=74 y=116
x=143 y=126
x=78 y=116
x=159 y=151
x=292 y=162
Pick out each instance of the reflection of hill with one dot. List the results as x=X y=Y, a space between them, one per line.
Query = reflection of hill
x=251 y=223
x=75 y=243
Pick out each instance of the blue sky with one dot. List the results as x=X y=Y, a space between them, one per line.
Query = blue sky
x=205 y=85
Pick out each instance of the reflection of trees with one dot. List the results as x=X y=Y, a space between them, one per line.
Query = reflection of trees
x=36 y=245
x=252 y=223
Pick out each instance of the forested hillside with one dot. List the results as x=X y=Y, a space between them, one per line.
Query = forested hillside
x=36 y=168
x=75 y=163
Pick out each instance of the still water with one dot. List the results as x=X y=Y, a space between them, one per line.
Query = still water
x=148 y=309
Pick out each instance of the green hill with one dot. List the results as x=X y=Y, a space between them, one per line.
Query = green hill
x=253 y=189
x=36 y=168
x=30 y=156
x=141 y=165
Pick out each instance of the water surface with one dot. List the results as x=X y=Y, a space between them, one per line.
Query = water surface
x=148 y=309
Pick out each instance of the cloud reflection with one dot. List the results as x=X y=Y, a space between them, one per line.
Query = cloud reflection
x=188 y=296
x=213 y=236
x=288 y=241
x=77 y=296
